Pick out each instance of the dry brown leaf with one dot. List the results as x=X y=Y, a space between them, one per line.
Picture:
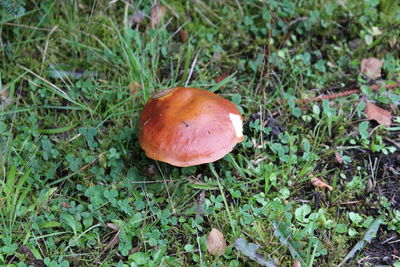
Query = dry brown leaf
x=84 y=8
x=5 y=98
x=318 y=183
x=338 y=157
x=115 y=239
x=184 y=36
x=4 y=94
x=113 y=242
x=135 y=88
x=134 y=250
x=216 y=243
x=378 y=114
x=296 y=263
x=369 y=186
x=371 y=67
x=157 y=13
x=112 y=226
x=136 y=19
x=65 y=205
x=354 y=43
x=221 y=77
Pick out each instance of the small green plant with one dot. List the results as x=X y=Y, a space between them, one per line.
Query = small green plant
x=13 y=7
x=13 y=193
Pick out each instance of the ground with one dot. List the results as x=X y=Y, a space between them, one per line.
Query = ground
x=76 y=189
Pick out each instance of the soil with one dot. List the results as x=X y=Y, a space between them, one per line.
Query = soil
x=385 y=248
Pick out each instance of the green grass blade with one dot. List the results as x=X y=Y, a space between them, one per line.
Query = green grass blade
x=285 y=239
x=368 y=236
x=222 y=83
x=58 y=130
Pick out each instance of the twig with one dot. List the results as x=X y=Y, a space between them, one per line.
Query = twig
x=388 y=240
x=345 y=93
x=349 y=202
x=325 y=97
x=393 y=142
x=93 y=161
x=157 y=181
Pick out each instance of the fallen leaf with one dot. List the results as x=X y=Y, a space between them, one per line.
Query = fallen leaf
x=369 y=186
x=5 y=98
x=338 y=157
x=296 y=263
x=115 y=239
x=375 y=31
x=135 y=88
x=371 y=67
x=65 y=205
x=134 y=250
x=4 y=94
x=157 y=13
x=318 y=183
x=221 y=77
x=216 y=56
x=393 y=42
x=136 y=19
x=112 y=226
x=354 y=43
x=216 y=243
x=378 y=114
x=184 y=36
x=113 y=242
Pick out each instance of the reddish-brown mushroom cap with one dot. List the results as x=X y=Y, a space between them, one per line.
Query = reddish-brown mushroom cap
x=189 y=126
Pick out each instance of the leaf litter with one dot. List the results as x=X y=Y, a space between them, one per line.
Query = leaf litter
x=371 y=67
x=216 y=243
x=373 y=112
x=319 y=184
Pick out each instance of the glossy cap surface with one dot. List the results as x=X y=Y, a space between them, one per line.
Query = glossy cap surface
x=189 y=126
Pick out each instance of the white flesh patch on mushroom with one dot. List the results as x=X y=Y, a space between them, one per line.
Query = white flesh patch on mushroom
x=237 y=124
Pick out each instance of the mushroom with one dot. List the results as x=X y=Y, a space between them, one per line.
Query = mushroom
x=188 y=126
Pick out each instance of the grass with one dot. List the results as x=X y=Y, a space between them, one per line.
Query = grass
x=77 y=190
